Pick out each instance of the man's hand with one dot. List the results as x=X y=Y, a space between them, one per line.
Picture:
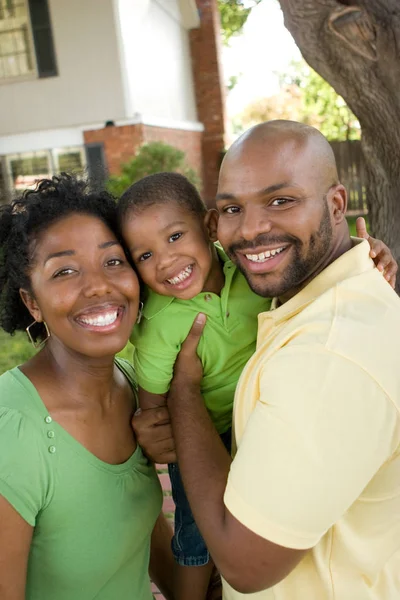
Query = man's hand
x=188 y=368
x=380 y=253
x=153 y=432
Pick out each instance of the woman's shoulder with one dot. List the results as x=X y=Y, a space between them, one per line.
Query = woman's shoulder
x=15 y=390
x=128 y=370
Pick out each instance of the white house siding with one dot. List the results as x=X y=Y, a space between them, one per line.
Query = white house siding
x=156 y=51
x=89 y=86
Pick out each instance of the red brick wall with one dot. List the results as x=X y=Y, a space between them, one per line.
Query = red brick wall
x=188 y=141
x=122 y=143
x=205 y=44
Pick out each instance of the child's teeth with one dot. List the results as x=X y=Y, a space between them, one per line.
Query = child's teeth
x=182 y=276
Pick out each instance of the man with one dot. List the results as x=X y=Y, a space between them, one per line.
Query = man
x=309 y=508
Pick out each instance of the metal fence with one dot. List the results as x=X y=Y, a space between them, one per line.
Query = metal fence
x=350 y=162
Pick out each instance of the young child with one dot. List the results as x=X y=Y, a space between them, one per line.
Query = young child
x=171 y=237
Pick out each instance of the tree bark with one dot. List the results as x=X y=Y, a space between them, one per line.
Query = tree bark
x=356 y=48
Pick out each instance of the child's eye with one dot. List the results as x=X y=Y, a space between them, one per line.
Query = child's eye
x=144 y=256
x=114 y=262
x=63 y=273
x=174 y=237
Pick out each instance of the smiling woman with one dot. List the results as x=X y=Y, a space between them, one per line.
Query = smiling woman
x=79 y=502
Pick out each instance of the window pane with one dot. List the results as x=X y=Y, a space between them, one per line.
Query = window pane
x=70 y=161
x=26 y=169
x=15 y=39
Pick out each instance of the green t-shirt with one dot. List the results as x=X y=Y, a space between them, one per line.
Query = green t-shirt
x=228 y=340
x=92 y=520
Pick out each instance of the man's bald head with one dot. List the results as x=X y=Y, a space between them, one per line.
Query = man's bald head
x=287 y=136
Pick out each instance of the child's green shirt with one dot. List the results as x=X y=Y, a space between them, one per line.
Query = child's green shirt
x=228 y=340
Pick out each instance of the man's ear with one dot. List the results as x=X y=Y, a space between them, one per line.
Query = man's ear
x=338 y=202
x=31 y=305
x=211 y=224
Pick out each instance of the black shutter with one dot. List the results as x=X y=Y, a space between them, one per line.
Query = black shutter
x=43 y=38
x=96 y=164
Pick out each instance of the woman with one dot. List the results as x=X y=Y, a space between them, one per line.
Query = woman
x=78 y=500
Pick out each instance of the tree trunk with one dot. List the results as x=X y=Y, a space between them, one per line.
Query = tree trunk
x=356 y=48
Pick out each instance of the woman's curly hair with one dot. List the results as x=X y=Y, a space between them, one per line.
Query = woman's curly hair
x=25 y=219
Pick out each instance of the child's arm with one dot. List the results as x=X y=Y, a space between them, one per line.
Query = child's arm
x=149 y=400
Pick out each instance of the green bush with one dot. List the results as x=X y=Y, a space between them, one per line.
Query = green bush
x=154 y=157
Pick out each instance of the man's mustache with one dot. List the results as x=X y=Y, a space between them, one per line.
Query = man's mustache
x=263 y=240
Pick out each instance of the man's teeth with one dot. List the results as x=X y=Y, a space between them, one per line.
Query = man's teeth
x=182 y=275
x=100 y=320
x=263 y=256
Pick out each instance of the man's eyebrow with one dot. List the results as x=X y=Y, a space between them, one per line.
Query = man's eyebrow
x=264 y=192
x=72 y=252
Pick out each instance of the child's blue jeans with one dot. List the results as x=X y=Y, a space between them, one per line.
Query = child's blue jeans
x=188 y=546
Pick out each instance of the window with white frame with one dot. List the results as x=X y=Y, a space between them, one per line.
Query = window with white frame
x=24 y=170
x=16 y=43
x=26 y=41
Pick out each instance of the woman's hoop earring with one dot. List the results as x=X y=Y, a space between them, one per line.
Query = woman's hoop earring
x=140 y=312
x=35 y=343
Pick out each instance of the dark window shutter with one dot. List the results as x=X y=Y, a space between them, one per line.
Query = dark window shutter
x=43 y=38
x=96 y=164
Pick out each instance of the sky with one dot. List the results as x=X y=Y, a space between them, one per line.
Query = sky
x=264 y=49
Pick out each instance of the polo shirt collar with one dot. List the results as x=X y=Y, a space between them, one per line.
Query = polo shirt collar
x=353 y=262
x=155 y=303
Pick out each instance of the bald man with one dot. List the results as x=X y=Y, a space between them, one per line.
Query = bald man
x=309 y=507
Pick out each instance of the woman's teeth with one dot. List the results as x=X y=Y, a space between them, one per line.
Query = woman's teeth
x=101 y=320
x=182 y=276
x=263 y=256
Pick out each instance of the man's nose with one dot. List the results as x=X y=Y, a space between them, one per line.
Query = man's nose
x=254 y=223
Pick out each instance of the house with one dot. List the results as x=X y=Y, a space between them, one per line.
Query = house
x=84 y=83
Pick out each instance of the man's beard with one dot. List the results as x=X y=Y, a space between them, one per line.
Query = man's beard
x=300 y=268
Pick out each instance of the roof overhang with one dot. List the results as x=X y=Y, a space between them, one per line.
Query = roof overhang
x=190 y=14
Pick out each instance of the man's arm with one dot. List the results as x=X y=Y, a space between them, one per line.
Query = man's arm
x=247 y=561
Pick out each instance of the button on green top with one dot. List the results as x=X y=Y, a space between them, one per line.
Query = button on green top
x=48 y=419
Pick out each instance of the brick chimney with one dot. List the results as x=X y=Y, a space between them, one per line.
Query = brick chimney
x=205 y=43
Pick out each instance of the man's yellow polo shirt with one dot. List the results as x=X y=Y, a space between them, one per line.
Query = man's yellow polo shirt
x=317 y=427
x=228 y=340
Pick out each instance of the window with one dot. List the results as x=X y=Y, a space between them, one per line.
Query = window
x=26 y=42
x=24 y=170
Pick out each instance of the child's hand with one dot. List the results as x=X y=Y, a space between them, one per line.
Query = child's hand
x=153 y=432
x=380 y=253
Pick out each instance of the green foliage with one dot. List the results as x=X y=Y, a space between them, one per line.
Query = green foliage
x=16 y=349
x=234 y=14
x=321 y=105
x=154 y=157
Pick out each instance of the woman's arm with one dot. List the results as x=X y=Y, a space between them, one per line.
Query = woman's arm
x=15 y=542
x=161 y=559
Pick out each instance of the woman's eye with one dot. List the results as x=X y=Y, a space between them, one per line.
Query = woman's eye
x=144 y=256
x=174 y=237
x=63 y=273
x=114 y=262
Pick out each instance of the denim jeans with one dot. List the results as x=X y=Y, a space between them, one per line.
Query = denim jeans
x=188 y=546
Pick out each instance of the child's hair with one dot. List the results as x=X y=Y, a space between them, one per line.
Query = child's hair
x=25 y=219
x=161 y=188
